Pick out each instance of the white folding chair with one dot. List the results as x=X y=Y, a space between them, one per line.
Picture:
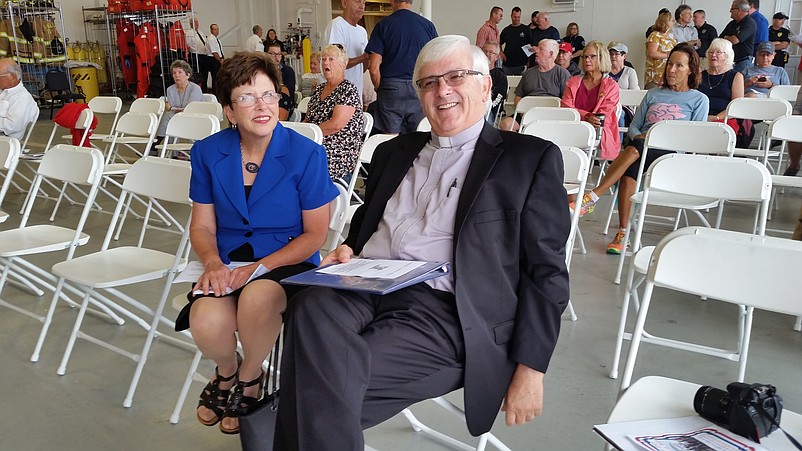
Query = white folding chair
x=148 y=105
x=208 y=97
x=62 y=163
x=549 y=113
x=688 y=179
x=720 y=265
x=368 y=120
x=785 y=129
x=424 y=125
x=787 y=92
x=295 y=116
x=297 y=96
x=303 y=105
x=188 y=127
x=311 y=131
x=213 y=108
x=110 y=268
x=759 y=109
x=365 y=155
x=512 y=83
x=563 y=133
x=135 y=132
x=631 y=98
x=338 y=208
x=528 y=102
x=701 y=138
x=105 y=105
x=576 y=166
x=9 y=158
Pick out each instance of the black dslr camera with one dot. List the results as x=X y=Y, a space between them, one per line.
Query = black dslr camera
x=749 y=410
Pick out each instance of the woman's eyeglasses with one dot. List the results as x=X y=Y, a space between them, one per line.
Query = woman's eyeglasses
x=269 y=98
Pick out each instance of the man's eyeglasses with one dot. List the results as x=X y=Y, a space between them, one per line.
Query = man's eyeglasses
x=452 y=78
x=246 y=100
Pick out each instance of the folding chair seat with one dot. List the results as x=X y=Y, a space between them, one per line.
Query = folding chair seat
x=365 y=155
x=311 y=131
x=9 y=157
x=189 y=127
x=701 y=138
x=709 y=180
x=113 y=267
x=62 y=163
x=720 y=265
x=758 y=109
x=549 y=113
x=213 y=108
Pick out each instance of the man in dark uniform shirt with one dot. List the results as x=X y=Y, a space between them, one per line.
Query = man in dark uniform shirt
x=781 y=38
x=513 y=37
x=706 y=32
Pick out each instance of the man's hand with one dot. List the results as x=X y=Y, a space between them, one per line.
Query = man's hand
x=524 y=399
x=342 y=254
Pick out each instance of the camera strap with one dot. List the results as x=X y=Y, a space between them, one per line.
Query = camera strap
x=774 y=422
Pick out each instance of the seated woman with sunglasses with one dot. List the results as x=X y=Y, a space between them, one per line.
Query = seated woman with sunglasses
x=260 y=195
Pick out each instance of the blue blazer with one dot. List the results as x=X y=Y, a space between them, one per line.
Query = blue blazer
x=293 y=177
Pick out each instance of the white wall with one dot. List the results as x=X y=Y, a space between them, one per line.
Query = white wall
x=604 y=20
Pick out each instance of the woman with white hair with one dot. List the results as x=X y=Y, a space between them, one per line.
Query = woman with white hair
x=336 y=107
x=720 y=82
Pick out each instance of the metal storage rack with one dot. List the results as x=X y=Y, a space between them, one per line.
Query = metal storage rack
x=101 y=30
x=101 y=49
x=34 y=54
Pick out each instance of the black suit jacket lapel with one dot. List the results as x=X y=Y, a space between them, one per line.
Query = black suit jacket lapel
x=487 y=151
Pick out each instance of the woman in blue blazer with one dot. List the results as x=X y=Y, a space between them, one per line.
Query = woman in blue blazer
x=260 y=194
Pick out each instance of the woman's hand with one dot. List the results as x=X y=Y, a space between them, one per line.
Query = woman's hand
x=591 y=119
x=342 y=254
x=241 y=275
x=215 y=279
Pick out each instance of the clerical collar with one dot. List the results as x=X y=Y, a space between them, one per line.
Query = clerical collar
x=465 y=139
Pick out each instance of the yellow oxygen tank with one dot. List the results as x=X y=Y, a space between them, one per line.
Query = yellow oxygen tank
x=306 y=46
x=70 y=52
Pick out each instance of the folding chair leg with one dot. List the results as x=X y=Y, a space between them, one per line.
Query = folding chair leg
x=610 y=213
x=570 y=310
x=798 y=324
x=76 y=328
x=182 y=396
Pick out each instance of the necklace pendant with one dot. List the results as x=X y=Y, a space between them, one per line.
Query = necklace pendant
x=252 y=167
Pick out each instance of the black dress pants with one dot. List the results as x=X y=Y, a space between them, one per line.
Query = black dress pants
x=353 y=360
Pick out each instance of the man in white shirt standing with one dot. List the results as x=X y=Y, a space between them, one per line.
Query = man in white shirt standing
x=17 y=107
x=684 y=30
x=196 y=43
x=215 y=49
x=345 y=30
x=254 y=43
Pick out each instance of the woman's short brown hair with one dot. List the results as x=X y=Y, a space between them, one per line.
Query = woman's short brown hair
x=241 y=69
x=694 y=66
x=183 y=65
x=662 y=23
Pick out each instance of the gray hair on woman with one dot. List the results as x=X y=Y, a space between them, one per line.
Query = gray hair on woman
x=725 y=46
x=441 y=46
x=181 y=64
x=336 y=51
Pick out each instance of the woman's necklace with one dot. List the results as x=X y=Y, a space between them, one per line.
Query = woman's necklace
x=711 y=85
x=250 y=166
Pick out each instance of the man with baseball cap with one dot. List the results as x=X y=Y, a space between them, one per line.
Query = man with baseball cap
x=781 y=38
x=564 y=59
x=762 y=76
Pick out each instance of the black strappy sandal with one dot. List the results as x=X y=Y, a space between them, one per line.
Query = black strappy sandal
x=215 y=399
x=239 y=404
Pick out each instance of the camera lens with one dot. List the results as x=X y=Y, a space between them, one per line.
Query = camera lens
x=712 y=403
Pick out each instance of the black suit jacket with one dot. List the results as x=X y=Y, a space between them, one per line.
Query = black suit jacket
x=508 y=262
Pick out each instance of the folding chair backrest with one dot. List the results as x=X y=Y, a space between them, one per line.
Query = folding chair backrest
x=575 y=164
x=84 y=122
x=788 y=128
x=337 y=218
x=295 y=116
x=107 y=105
x=213 y=108
x=137 y=124
x=311 y=131
x=147 y=105
x=631 y=97
x=208 y=97
x=303 y=105
x=762 y=109
x=717 y=177
x=550 y=113
x=28 y=132
x=787 y=92
x=720 y=264
x=368 y=124
x=159 y=178
x=713 y=138
x=192 y=126
x=370 y=146
x=57 y=80
x=532 y=101
x=79 y=165
x=9 y=157
x=563 y=133
x=424 y=125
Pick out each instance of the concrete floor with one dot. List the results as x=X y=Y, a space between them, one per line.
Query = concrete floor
x=83 y=410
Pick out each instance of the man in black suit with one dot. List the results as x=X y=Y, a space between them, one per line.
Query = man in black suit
x=490 y=202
